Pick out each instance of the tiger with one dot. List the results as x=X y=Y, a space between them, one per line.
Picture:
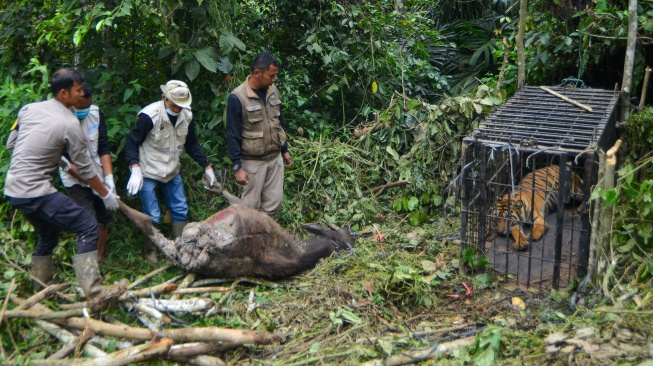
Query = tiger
x=524 y=202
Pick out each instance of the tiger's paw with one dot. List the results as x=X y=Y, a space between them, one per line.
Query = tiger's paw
x=521 y=244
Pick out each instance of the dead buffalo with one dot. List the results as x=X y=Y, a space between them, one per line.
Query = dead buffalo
x=241 y=242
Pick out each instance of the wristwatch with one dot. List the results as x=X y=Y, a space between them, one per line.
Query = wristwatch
x=237 y=166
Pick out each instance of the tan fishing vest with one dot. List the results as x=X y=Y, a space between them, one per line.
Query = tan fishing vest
x=91 y=129
x=263 y=135
x=159 y=153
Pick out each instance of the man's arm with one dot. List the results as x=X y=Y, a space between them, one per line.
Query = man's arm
x=193 y=147
x=77 y=150
x=136 y=137
x=104 y=147
x=234 y=129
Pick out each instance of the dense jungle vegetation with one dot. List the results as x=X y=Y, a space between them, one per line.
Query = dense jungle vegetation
x=425 y=72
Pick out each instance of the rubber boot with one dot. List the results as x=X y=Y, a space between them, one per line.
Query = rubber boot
x=178 y=228
x=103 y=233
x=41 y=270
x=149 y=250
x=87 y=270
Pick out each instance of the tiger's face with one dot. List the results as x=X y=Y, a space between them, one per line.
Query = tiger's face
x=504 y=216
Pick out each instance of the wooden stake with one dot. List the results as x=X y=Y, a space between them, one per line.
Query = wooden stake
x=566 y=99
x=42 y=295
x=642 y=98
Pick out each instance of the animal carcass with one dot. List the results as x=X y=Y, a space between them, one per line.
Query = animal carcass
x=240 y=241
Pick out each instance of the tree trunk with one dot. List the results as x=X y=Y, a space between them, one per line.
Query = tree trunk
x=626 y=84
x=521 y=58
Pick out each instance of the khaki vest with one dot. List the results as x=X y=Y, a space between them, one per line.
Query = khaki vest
x=263 y=135
x=91 y=130
x=159 y=153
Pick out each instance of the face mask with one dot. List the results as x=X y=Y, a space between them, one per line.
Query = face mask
x=174 y=114
x=82 y=113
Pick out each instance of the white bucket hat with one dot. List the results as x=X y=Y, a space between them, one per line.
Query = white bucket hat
x=177 y=92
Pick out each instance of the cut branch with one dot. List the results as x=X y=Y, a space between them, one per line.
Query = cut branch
x=204 y=334
x=382 y=187
x=70 y=347
x=42 y=295
x=358 y=132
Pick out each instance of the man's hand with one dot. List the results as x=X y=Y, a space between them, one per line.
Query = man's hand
x=210 y=175
x=287 y=159
x=108 y=181
x=111 y=201
x=135 y=181
x=242 y=177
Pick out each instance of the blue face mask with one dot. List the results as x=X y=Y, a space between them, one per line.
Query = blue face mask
x=82 y=113
x=174 y=114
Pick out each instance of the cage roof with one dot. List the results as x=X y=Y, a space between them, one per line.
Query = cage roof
x=536 y=119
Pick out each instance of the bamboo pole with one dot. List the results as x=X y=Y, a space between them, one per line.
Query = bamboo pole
x=566 y=99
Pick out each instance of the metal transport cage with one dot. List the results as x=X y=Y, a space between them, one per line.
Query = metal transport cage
x=534 y=130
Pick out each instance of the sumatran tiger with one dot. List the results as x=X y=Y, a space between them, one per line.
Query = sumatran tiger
x=524 y=202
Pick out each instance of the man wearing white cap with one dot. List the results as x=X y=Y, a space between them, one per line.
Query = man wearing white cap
x=152 y=150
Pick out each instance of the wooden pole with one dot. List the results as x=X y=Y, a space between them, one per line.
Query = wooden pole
x=642 y=98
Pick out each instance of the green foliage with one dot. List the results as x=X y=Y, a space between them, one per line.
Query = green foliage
x=471 y=258
x=634 y=197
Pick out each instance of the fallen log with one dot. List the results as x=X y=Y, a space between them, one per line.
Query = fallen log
x=70 y=347
x=382 y=187
x=203 y=334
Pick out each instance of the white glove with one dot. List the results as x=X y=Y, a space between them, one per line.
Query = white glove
x=135 y=181
x=111 y=201
x=108 y=181
x=211 y=176
x=64 y=164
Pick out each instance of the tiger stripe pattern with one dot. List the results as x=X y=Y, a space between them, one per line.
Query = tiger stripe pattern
x=536 y=195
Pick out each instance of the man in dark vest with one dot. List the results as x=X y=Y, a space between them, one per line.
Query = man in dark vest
x=256 y=140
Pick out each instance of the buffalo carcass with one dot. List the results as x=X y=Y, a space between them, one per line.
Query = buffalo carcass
x=241 y=242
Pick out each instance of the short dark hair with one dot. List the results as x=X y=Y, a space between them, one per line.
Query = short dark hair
x=64 y=79
x=263 y=60
x=88 y=90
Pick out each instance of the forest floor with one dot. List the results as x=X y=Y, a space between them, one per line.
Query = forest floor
x=397 y=300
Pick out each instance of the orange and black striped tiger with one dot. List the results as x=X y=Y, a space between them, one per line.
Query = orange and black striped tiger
x=537 y=193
